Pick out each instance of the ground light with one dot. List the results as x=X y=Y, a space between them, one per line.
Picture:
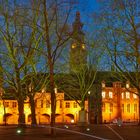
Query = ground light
x=20 y=131
x=72 y=121
x=66 y=126
x=88 y=129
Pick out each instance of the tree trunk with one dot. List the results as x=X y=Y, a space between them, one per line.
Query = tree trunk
x=139 y=111
x=50 y=65
x=21 y=119
x=20 y=95
x=53 y=101
x=33 y=114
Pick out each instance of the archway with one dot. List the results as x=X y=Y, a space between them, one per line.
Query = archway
x=44 y=119
x=58 y=118
x=69 y=118
x=10 y=118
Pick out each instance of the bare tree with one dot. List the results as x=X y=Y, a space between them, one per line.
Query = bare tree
x=53 y=23
x=120 y=35
x=19 y=43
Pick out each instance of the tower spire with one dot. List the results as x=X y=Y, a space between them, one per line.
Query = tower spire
x=78 y=34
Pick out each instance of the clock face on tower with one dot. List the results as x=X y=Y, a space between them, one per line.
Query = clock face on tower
x=73 y=46
x=78 y=55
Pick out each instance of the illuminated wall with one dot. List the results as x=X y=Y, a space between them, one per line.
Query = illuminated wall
x=129 y=103
x=67 y=111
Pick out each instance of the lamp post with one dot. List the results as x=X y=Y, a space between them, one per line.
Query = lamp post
x=89 y=107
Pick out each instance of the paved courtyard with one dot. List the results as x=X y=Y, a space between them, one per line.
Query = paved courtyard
x=73 y=132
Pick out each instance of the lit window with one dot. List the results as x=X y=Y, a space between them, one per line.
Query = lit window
x=6 y=104
x=14 y=104
x=135 y=107
x=128 y=108
x=127 y=85
x=103 y=94
x=122 y=95
x=67 y=105
x=127 y=95
x=74 y=105
x=110 y=94
x=134 y=96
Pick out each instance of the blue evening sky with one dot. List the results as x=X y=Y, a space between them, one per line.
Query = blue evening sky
x=87 y=8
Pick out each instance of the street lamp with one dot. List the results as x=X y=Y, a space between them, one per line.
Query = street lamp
x=89 y=107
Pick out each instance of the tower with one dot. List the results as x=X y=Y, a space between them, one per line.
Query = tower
x=78 y=52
